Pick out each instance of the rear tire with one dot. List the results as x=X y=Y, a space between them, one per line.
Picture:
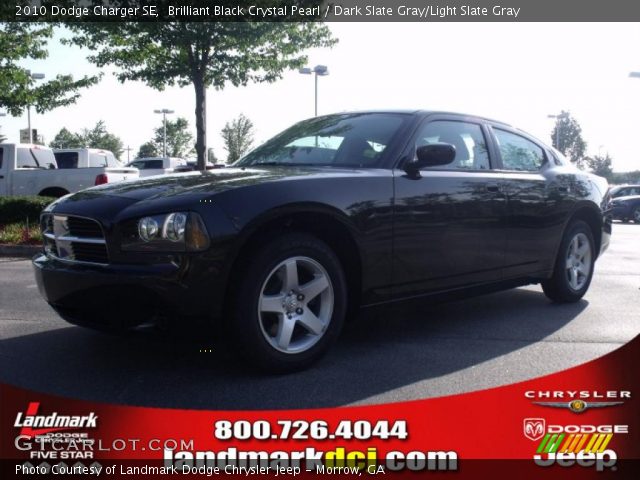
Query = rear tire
x=636 y=215
x=573 y=269
x=289 y=303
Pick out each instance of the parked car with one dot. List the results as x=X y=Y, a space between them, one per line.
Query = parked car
x=625 y=190
x=33 y=170
x=626 y=208
x=104 y=160
x=156 y=165
x=192 y=166
x=338 y=212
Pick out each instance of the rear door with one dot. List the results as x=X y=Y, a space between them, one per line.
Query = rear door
x=449 y=224
x=538 y=201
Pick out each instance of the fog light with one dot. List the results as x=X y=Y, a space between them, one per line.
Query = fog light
x=147 y=229
x=174 y=226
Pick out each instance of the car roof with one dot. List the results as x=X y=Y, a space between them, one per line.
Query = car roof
x=423 y=113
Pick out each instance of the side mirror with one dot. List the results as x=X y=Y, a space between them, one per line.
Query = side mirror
x=431 y=155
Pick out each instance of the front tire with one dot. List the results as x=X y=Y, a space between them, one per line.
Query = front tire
x=289 y=304
x=573 y=269
x=636 y=214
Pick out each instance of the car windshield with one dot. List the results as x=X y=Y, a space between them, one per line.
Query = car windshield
x=347 y=140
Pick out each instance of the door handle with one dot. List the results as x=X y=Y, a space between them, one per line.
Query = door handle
x=493 y=187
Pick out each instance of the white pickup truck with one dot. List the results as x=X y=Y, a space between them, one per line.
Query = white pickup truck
x=156 y=165
x=33 y=170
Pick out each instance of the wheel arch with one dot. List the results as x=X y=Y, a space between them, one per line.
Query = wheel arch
x=55 y=192
x=326 y=223
x=592 y=216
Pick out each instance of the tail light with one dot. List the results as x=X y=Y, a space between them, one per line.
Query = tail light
x=101 y=179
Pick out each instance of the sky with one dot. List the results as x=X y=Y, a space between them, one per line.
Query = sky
x=518 y=73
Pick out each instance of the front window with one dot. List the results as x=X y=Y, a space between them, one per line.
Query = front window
x=349 y=140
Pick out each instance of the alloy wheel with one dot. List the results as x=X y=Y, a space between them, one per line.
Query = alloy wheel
x=296 y=304
x=578 y=261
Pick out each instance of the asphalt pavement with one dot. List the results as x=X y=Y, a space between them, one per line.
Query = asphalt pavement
x=413 y=351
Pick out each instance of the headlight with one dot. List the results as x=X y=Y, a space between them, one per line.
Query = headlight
x=171 y=232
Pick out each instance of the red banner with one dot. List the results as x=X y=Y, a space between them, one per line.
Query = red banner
x=579 y=423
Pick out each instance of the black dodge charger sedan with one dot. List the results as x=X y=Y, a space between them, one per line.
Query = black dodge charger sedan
x=337 y=212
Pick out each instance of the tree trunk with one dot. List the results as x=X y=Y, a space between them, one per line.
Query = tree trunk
x=201 y=121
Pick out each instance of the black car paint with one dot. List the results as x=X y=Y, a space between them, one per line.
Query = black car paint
x=412 y=235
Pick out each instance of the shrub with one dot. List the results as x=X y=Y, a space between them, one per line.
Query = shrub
x=19 y=234
x=22 y=209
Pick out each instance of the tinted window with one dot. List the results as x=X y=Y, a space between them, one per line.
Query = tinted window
x=355 y=140
x=67 y=159
x=467 y=138
x=1 y=155
x=97 y=160
x=518 y=153
x=153 y=164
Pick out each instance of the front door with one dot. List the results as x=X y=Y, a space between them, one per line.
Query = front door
x=449 y=223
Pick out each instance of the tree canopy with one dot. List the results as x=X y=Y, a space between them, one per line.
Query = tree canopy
x=201 y=54
x=238 y=137
x=96 y=137
x=20 y=41
x=148 y=149
x=567 y=138
x=179 y=138
x=601 y=165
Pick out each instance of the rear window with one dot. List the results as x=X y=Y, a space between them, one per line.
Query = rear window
x=111 y=160
x=147 y=164
x=67 y=159
x=97 y=160
x=24 y=159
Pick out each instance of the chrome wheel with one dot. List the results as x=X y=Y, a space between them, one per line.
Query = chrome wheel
x=578 y=262
x=296 y=304
x=636 y=215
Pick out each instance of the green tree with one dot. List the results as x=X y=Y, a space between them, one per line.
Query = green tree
x=96 y=137
x=200 y=54
x=601 y=165
x=66 y=139
x=237 y=137
x=211 y=156
x=99 y=137
x=179 y=138
x=27 y=41
x=148 y=149
x=567 y=137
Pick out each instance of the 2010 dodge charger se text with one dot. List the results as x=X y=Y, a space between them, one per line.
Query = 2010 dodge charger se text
x=337 y=212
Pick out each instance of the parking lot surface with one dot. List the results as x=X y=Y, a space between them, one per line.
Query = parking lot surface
x=409 y=352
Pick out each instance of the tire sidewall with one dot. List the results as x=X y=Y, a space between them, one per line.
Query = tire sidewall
x=245 y=320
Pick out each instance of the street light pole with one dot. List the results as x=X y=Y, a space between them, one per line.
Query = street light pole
x=164 y=113
x=34 y=76
x=318 y=70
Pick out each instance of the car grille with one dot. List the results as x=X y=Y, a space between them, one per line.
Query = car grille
x=74 y=239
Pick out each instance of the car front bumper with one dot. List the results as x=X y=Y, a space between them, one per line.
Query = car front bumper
x=120 y=296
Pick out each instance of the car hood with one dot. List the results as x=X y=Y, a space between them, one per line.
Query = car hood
x=196 y=184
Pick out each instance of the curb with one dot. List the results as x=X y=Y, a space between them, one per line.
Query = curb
x=25 y=251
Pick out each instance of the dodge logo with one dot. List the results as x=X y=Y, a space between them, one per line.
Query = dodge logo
x=534 y=428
